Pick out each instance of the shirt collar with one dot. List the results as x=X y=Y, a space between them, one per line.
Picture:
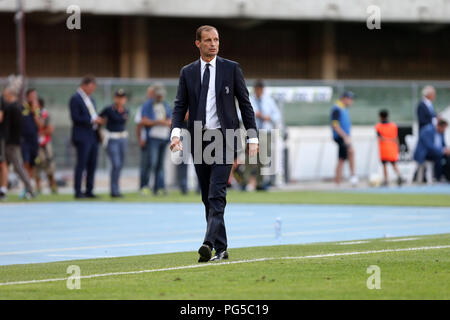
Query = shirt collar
x=340 y=104
x=212 y=62
x=427 y=102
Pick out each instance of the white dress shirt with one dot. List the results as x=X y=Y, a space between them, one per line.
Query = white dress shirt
x=212 y=119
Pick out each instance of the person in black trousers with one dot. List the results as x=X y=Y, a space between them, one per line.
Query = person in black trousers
x=85 y=135
x=207 y=89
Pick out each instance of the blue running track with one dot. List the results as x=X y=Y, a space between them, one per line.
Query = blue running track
x=35 y=233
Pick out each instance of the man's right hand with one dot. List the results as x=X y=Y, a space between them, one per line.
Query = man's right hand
x=447 y=151
x=176 y=144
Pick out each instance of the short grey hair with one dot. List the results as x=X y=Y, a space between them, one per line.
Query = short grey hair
x=427 y=90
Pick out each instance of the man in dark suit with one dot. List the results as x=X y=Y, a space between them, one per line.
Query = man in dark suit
x=425 y=110
x=85 y=135
x=207 y=89
x=431 y=146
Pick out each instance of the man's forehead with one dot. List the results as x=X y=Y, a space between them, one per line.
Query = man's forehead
x=210 y=34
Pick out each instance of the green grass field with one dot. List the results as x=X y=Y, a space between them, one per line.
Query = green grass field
x=282 y=197
x=414 y=274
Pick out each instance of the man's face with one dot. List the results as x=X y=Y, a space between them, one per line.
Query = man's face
x=159 y=97
x=209 y=44
x=150 y=93
x=347 y=101
x=32 y=96
x=441 y=129
x=431 y=96
x=259 y=92
x=8 y=96
x=90 y=88
x=120 y=101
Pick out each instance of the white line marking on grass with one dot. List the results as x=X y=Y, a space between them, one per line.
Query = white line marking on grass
x=195 y=266
x=351 y=242
x=398 y=240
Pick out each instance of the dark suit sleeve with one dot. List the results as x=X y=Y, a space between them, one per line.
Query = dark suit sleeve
x=247 y=112
x=423 y=114
x=181 y=102
x=78 y=117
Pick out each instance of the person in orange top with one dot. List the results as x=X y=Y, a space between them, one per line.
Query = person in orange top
x=388 y=143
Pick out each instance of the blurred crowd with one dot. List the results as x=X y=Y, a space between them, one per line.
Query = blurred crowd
x=26 y=131
x=431 y=153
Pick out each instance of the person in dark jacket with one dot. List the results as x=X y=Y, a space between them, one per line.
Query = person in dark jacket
x=12 y=119
x=85 y=135
x=431 y=146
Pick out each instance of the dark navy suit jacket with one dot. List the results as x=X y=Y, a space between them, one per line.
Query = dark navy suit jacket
x=424 y=115
x=230 y=84
x=426 y=145
x=82 y=129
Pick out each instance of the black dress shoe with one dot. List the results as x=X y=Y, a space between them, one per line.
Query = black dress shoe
x=220 y=256
x=205 y=253
x=90 y=196
x=80 y=196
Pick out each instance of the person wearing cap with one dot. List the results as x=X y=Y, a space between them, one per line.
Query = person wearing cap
x=156 y=117
x=115 y=116
x=341 y=126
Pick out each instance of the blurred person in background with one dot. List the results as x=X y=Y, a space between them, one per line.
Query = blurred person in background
x=31 y=125
x=156 y=117
x=425 y=110
x=115 y=117
x=3 y=165
x=268 y=117
x=432 y=147
x=12 y=121
x=142 y=138
x=45 y=162
x=182 y=168
x=341 y=126
x=388 y=143
x=85 y=135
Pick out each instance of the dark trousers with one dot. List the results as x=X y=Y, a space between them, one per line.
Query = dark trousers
x=86 y=161
x=213 y=180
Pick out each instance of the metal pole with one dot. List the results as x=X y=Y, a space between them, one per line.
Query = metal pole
x=20 y=46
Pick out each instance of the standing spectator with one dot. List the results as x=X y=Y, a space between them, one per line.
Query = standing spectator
x=156 y=116
x=182 y=168
x=431 y=146
x=142 y=137
x=268 y=117
x=85 y=135
x=341 y=126
x=12 y=118
x=30 y=131
x=425 y=110
x=3 y=165
x=45 y=161
x=388 y=143
x=116 y=117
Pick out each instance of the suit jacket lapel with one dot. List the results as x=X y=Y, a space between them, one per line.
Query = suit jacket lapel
x=219 y=74
x=197 y=79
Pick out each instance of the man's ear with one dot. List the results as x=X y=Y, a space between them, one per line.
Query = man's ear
x=197 y=43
